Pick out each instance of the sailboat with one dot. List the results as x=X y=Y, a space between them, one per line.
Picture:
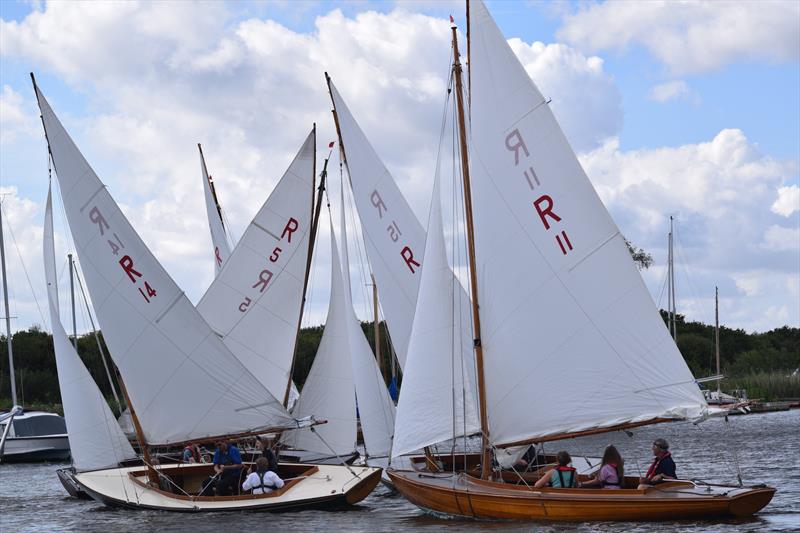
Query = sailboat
x=555 y=296
x=27 y=436
x=180 y=380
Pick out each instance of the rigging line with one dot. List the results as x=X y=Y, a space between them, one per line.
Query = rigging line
x=348 y=211
x=24 y=268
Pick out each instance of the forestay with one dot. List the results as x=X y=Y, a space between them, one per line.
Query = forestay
x=95 y=438
x=571 y=337
x=329 y=391
x=437 y=401
x=375 y=407
x=182 y=380
x=254 y=303
x=219 y=239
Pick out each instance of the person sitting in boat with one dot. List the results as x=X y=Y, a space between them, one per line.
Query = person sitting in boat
x=562 y=476
x=663 y=467
x=612 y=474
x=263 y=480
x=191 y=454
x=267 y=453
x=228 y=466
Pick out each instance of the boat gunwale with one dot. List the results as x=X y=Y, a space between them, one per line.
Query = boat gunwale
x=522 y=492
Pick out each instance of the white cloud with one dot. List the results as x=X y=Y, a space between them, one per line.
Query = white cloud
x=671 y=90
x=586 y=101
x=749 y=282
x=690 y=37
x=788 y=201
x=720 y=192
x=781 y=239
x=17 y=117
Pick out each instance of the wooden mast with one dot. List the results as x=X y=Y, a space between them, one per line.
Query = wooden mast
x=315 y=208
x=377 y=328
x=486 y=456
x=152 y=476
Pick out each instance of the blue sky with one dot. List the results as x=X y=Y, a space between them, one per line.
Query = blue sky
x=685 y=109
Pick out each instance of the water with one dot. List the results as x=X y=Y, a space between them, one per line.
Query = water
x=767 y=447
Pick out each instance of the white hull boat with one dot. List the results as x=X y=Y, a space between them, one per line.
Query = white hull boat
x=318 y=486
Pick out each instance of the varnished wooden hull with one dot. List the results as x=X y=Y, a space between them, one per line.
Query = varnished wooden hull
x=461 y=495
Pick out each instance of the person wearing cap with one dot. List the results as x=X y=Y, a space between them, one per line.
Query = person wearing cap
x=663 y=467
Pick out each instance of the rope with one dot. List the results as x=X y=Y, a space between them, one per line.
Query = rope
x=735 y=455
x=344 y=464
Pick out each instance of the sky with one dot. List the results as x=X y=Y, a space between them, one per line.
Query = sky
x=689 y=109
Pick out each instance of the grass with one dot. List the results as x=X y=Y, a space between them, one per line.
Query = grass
x=768 y=386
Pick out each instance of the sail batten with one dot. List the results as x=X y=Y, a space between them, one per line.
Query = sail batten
x=566 y=318
x=194 y=383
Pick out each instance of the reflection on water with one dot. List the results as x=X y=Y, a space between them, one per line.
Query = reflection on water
x=766 y=447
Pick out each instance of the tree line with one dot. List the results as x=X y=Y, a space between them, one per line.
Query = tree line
x=741 y=353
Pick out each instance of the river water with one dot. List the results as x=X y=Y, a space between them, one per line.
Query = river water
x=766 y=447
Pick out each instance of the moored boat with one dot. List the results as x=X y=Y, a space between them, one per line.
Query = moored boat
x=34 y=436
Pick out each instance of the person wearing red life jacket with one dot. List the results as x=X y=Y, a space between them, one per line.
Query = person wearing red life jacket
x=562 y=476
x=612 y=472
x=663 y=467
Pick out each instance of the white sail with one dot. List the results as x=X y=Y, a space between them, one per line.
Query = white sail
x=182 y=380
x=95 y=439
x=329 y=391
x=394 y=238
x=571 y=337
x=254 y=303
x=437 y=401
x=219 y=238
x=375 y=407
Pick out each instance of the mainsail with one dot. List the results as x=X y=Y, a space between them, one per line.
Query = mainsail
x=219 y=238
x=182 y=380
x=375 y=408
x=329 y=391
x=571 y=337
x=95 y=438
x=437 y=401
x=254 y=303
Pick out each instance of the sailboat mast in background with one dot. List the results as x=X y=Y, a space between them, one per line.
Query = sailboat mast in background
x=8 y=314
x=671 y=307
x=476 y=321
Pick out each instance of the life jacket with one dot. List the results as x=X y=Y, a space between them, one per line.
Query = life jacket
x=262 y=485
x=195 y=453
x=558 y=481
x=617 y=483
x=653 y=467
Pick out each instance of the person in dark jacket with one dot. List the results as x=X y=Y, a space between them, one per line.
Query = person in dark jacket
x=663 y=467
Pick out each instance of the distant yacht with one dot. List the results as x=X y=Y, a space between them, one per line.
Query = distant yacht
x=33 y=436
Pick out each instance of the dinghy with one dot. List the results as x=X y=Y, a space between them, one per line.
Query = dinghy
x=181 y=381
